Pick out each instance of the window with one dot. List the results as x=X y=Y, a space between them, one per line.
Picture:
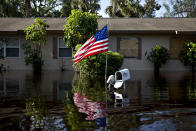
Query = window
x=9 y=87
x=1 y=49
x=63 y=51
x=9 y=47
x=177 y=45
x=129 y=47
x=12 y=87
x=12 y=48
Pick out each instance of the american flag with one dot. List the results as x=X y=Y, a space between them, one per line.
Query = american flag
x=96 y=44
x=93 y=109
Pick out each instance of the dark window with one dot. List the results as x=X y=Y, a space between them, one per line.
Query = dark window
x=63 y=51
x=12 y=52
x=12 y=47
x=12 y=87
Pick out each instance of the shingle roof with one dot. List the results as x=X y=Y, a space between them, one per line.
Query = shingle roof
x=115 y=24
x=16 y=24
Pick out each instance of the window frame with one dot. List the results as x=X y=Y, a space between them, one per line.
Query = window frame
x=5 y=48
x=58 y=47
x=139 y=46
x=5 y=80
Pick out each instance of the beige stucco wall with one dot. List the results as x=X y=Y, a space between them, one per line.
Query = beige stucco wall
x=147 y=42
x=49 y=62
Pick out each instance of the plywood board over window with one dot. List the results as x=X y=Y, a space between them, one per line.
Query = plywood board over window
x=129 y=47
x=177 y=45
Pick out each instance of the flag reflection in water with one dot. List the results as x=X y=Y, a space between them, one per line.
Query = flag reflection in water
x=94 y=110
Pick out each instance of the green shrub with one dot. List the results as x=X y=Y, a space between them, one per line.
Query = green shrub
x=36 y=34
x=158 y=56
x=95 y=65
x=188 y=55
x=80 y=27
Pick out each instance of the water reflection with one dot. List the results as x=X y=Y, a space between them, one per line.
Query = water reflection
x=39 y=117
x=159 y=87
x=94 y=110
x=69 y=101
x=89 y=98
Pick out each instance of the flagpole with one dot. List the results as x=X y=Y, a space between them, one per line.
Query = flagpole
x=106 y=65
x=106 y=61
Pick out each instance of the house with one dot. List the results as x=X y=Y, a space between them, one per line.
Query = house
x=132 y=37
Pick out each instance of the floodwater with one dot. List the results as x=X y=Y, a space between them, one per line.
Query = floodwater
x=65 y=101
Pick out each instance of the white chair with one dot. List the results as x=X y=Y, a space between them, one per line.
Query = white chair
x=118 y=97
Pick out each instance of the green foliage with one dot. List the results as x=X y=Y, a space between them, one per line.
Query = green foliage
x=91 y=86
x=95 y=65
x=180 y=8
x=10 y=8
x=36 y=107
x=158 y=84
x=36 y=33
x=34 y=8
x=75 y=120
x=32 y=56
x=80 y=27
x=158 y=56
x=188 y=55
x=91 y=6
x=132 y=8
x=191 y=89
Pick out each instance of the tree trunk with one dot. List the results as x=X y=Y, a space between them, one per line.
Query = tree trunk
x=114 y=4
x=156 y=69
x=193 y=68
x=27 y=6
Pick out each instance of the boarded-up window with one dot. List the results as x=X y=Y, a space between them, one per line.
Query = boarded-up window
x=129 y=47
x=177 y=45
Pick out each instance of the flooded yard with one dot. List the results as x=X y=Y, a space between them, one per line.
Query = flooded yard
x=66 y=101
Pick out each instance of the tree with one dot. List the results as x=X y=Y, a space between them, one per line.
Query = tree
x=66 y=8
x=10 y=8
x=150 y=8
x=180 y=8
x=132 y=8
x=44 y=8
x=29 y=8
x=35 y=33
x=79 y=28
x=188 y=55
x=91 y=6
x=158 y=56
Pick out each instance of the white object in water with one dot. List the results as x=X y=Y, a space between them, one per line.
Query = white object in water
x=120 y=77
x=118 y=84
x=118 y=96
x=111 y=80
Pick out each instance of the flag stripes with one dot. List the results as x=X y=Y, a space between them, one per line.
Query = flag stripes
x=92 y=49
x=96 y=44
